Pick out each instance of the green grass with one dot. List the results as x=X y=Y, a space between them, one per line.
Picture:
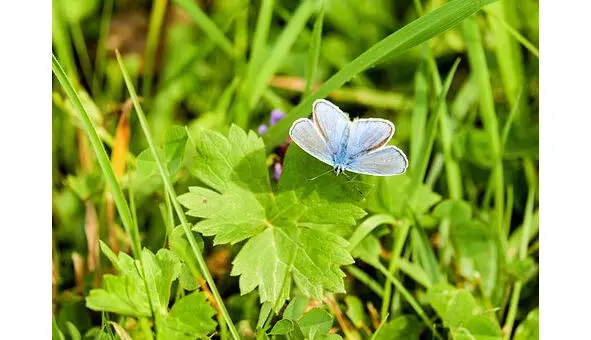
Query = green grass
x=195 y=236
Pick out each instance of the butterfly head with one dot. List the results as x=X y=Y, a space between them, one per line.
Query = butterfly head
x=338 y=169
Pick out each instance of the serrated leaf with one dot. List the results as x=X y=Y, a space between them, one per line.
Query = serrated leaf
x=289 y=234
x=315 y=323
x=330 y=199
x=126 y=293
x=529 y=329
x=239 y=158
x=189 y=318
x=402 y=327
x=274 y=257
x=159 y=272
x=232 y=217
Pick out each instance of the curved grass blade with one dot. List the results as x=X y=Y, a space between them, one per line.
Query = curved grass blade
x=102 y=158
x=411 y=35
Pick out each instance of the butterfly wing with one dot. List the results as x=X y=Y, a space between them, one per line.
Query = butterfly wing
x=305 y=134
x=385 y=161
x=367 y=135
x=333 y=125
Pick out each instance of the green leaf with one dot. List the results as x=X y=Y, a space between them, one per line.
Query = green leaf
x=126 y=294
x=477 y=252
x=187 y=279
x=331 y=200
x=172 y=154
x=56 y=333
x=312 y=257
x=529 y=329
x=159 y=272
x=180 y=246
x=402 y=327
x=522 y=270
x=478 y=327
x=394 y=193
x=189 y=318
x=291 y=235
x=455 y=211
x=295 y=309
x=459 y=308
x=240 y=159
x=282 y=327
x=368 y=249
x=315 y=323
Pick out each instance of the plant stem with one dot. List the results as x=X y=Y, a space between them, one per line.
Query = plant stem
x=409 y=298
x=175 y=203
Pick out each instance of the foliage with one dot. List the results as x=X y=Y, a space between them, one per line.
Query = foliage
x=185 y=223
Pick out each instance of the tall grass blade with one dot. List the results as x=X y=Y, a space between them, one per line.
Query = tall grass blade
x=207 y=25
x=411 y=35
x=314 y=52
x=102 y=158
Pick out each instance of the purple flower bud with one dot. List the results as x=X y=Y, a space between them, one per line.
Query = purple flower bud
x=277 y=171
x=262 y=129
x=276 y=116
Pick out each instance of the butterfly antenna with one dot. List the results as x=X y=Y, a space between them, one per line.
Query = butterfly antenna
x=322 y=174
x=350 y=179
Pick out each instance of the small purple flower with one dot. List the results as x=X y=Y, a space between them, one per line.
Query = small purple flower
x=262 y=129
x=276 y=116
x=277 y=171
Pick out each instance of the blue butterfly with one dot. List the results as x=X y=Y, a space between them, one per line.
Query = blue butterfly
x=357 y=146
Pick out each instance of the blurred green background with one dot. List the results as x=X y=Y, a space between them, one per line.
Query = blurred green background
x=205 y=64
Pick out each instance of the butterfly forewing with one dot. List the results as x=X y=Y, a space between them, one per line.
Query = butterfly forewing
x=386 y=161
x=333 y=125
x=306 y=136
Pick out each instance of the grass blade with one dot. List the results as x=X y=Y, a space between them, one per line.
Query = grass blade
x=367 y=226
x=419 y=114
x=254 y=86
x=314 y=52
x=164 y=173
x=102 y=158
x=207 y=25
x=411 y=35
x=156 y=19
x=477 y=59
x=100 y=61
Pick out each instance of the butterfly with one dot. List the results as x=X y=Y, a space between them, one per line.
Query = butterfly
x=357 y=146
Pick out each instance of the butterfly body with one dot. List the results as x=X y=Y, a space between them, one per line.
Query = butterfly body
x=357 y=146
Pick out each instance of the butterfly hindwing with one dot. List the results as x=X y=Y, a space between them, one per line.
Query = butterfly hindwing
x=367 y=135
x=385 y=161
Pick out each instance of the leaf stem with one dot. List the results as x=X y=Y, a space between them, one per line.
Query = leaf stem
x=175 y=203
